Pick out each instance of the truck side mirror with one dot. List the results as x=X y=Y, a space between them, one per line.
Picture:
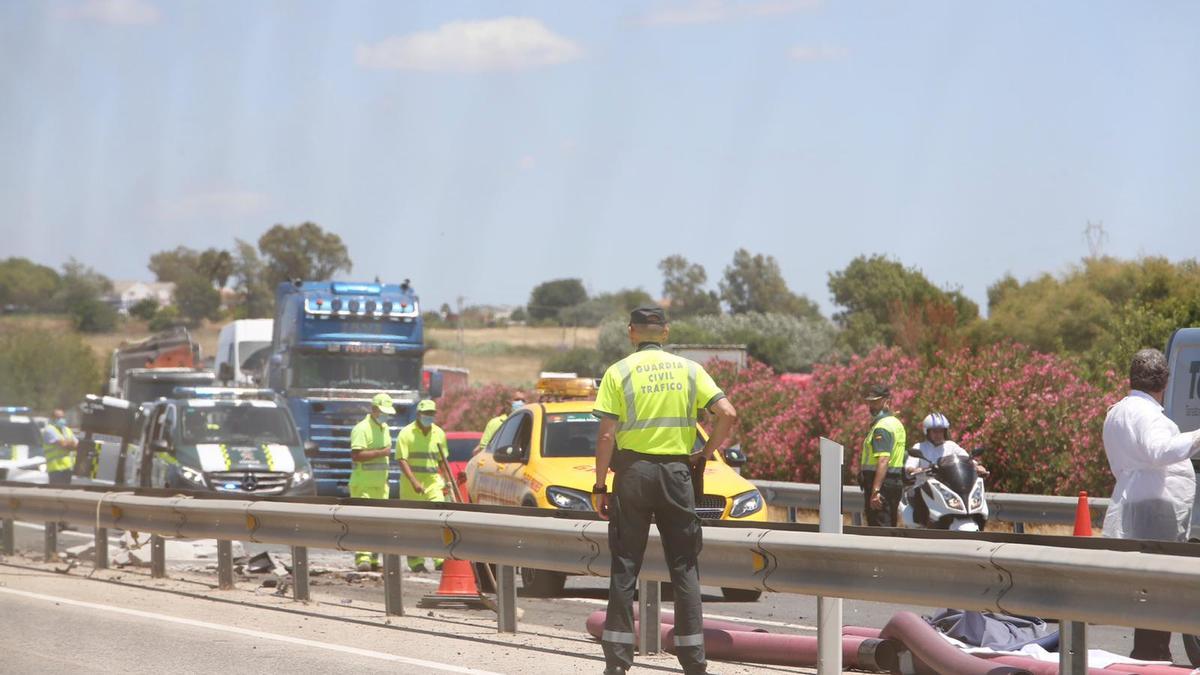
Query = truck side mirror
x=311 y=449
x=734 y=456
x=435 y=384
x=976 y=452
x=225 y=372
x=509 y=454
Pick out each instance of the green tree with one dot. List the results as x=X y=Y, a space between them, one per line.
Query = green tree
x=683 y=288
x=754 y=283
x=593 y=311
x=549 y=298
x=82 y=293
x=166 y=318
x=303 y=251
x=45 y=369
x=144 y=309
x=197 y=299
x=175 y=264
x=255 y=294
x=583 y=361
x=216 y=265
x=878 y=294
x=28 y=285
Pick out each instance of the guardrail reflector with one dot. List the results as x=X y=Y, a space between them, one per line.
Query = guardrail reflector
x=760 y=561
x=447 y=536
x=116 y=512
x=251 y=523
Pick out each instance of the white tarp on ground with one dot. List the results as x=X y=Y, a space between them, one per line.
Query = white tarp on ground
x=1097 y=658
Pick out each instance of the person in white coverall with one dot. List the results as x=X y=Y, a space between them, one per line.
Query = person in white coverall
x=1156 y=484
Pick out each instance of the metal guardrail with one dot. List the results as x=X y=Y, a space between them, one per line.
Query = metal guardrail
x=1013 y=508
x=1121 y=588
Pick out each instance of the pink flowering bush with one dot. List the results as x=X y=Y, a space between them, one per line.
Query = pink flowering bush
x=1037 y=418
x=470 y=408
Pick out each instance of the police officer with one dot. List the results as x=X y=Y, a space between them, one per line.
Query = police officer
x=881 y=470
x=58 y=446
x=516 y=403
x=420 y=448
x=648 y=403
x=370 y=446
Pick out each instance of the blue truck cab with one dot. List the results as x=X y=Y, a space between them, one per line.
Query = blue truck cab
x=335 y=345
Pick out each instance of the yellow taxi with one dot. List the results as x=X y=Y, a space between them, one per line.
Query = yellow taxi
x=544 y=456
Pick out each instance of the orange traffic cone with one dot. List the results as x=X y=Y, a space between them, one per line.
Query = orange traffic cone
x=457 y=587
x=1083 y=517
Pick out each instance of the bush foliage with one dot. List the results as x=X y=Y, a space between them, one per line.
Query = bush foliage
x=45 y=369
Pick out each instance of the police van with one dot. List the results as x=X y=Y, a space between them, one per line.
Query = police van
x=222 y=439
x=1182 y=399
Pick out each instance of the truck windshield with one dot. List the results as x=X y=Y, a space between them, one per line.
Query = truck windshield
x=238 y=424
x=356 y=371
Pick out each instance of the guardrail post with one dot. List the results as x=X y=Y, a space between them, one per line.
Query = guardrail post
x=1018 y=528
x=856 y=519
x=8 y=544
x=829 y=610
x=100 y=549
x=158 y=557
x=224 y=565
x=1072 y=649
x=393 y=585
x=51 y=541
x=791 y=514
x=649 y=616
x=506 y=599
x=300 y=574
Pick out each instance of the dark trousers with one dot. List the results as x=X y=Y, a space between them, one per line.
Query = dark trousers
x=890 y=492
x=642 y=489
x=1151 y=645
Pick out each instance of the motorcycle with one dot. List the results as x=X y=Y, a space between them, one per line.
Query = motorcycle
x=952 y=495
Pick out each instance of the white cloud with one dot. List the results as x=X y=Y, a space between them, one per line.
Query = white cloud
x=713 y=11
x=119 y=12
x=818 y=53
x=508 y=43
x=215 y=204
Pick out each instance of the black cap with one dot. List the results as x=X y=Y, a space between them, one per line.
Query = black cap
x=648 y=316
x=876 y=392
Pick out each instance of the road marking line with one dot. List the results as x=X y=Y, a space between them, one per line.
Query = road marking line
x=253 y=633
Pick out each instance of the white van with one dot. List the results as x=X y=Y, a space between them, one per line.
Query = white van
x=1182 y=400
x=242 y=350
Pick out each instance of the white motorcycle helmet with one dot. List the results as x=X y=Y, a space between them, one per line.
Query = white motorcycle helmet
x=936 y=420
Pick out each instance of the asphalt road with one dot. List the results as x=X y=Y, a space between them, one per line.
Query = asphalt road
x=782 y=613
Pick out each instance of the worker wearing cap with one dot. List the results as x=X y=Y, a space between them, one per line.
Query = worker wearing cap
x=515 y=403
x=370 y=446
x=421 y=451
x=648 y=403
x=881 y=469
x=58 y=446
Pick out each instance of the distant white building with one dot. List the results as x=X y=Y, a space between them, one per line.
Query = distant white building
x=129 y=293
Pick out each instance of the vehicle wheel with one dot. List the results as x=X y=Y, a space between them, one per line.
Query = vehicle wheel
x=1191 y=644
x=542 y=584
x=741 y=594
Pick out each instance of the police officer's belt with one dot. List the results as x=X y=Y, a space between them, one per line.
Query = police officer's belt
x=626 y=457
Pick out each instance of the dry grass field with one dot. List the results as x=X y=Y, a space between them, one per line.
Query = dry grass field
x=511 y=355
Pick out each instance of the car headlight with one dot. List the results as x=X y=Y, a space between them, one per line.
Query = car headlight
x=571 y=500
x=301 y=477
x=192 y=476
x=746 y=504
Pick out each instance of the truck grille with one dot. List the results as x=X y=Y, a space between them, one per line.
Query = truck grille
x=249 y=482
x=711 y=507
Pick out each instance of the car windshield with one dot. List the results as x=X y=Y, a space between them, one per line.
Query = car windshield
x=241 y=423
x=356 y=371
x=570 y=435
x=19 y=433
x=461 y=449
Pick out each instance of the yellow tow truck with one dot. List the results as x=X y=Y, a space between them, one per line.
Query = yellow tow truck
x=544 y=456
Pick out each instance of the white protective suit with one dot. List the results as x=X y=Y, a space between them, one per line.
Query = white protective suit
x=1155 y=480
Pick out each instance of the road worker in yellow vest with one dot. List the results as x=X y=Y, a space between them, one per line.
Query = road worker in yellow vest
x=515 y=403
x=370 y=446
x=59 y=445
x=421 y=451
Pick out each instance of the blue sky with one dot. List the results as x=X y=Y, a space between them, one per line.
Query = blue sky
x=481 y=147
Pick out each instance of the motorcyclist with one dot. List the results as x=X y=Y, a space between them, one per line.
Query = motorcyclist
x=937 y=444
